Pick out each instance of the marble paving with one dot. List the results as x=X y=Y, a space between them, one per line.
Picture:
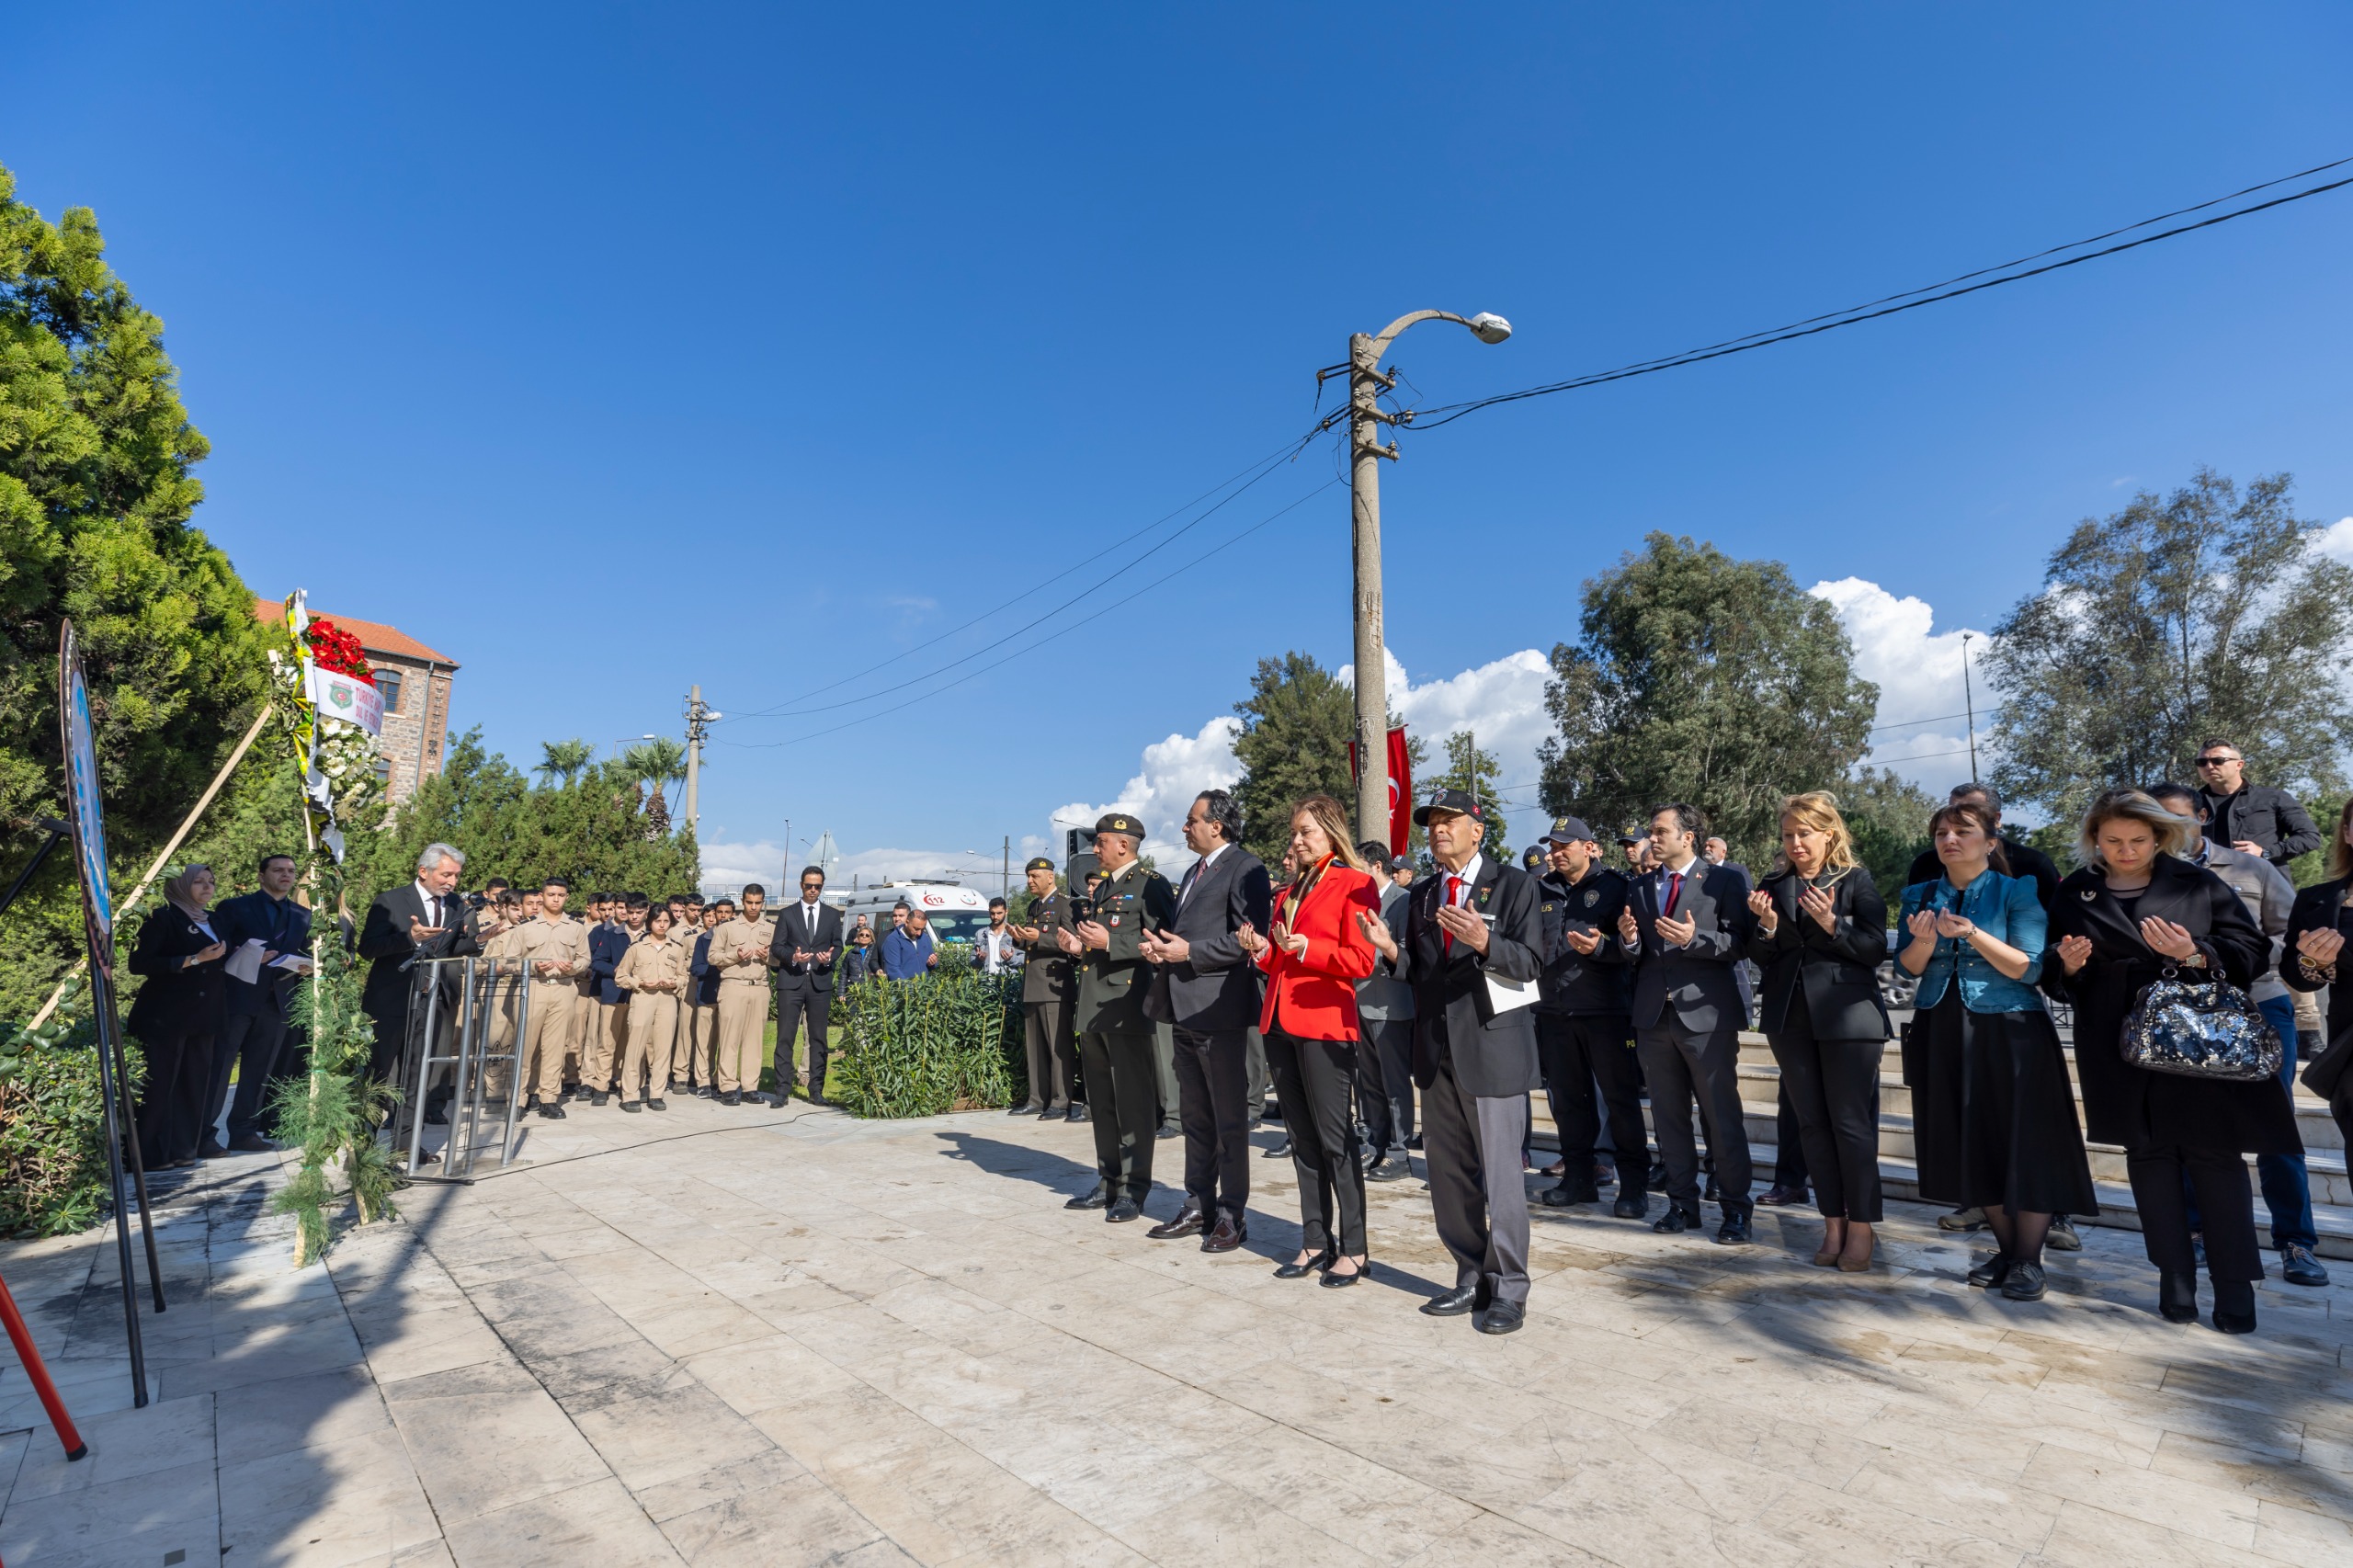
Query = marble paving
x=725 y=1336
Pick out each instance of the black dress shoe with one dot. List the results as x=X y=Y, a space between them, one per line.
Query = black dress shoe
x=1094 y=1198
x=1226 y=1235
x=210 y=1149
x=1280 y=1152
x=1077 y=1113
x=1054 y=1113
x=1997 y=1268
x=1655 y=1178
x=1569 y=1194
x=1675 y=1222
x=2025 y=1283
x=1453 y=1304
x=1501 y=1317
x=1032 y=1108
x=1169 y=1129
x=2177 y=1297
x=1633 y=1204
x=2234 y=1306
x=821 y=1101
x=553 y=1112
x=1414 y=1142
x=732 y=1096
x=631 y=1106
x=1187 y=1223
x=1297 y=1271
x=1333 y=1281
x=1122 y=1210
x=1734 y=1232
x=1390 y=1169
x=657 y=1104
x=600 y=1097
x=254 y=1144
x=1777 y=1196
x=2297 y=1264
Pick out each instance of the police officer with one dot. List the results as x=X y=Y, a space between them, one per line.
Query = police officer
x=1583 y=1028
x=1115 y=1038
x=1047 y=983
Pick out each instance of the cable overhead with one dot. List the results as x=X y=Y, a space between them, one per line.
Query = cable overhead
x=1895 y=304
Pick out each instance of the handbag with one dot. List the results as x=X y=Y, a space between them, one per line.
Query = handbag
x=2200 y=1029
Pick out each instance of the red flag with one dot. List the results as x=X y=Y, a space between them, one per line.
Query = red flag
x=1401 y=788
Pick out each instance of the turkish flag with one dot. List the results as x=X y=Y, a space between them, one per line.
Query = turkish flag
x=1401 y=788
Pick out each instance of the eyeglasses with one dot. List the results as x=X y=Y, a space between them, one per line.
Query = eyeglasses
x=2214 y=761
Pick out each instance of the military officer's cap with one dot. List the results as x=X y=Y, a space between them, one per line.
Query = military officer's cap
x=1460 y=801
x=1119 y=822
x=1569 y=830
x=1040 y=864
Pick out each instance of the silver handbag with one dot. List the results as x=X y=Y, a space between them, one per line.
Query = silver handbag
x=2203 y=1029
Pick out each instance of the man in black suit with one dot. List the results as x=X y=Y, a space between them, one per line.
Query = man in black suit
x=254 y=1032
x=1583 y=1032
x=808 y=939
x=1206 y=989
x=1472 y=949
x=424 y=918
x=1682 y=928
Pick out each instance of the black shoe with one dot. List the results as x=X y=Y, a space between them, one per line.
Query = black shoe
x=1032 y=1108
x=2025 y=1282
x=600 y=1097
x=1255 y=1123
x=1226 y=1235
x=553 y=1112
x=705 y=1092
x=2297 y=1264
x=1710 y=1193
x=1390 y=1169
x=631 y=1106
x=1296 y=1270
x=2062 y=1235
x=1655 y=1177
x=1095 y=1197
x=1122 y=1210
x=820 y=1101
x=1414 y=1142
x=1675 y=1222
x=732 y=1096
x=1331 y=1281
x=1990 y=1272
x=254 y=1144
x=1453 y=1304
x=1280 y=1152
x=1054 y=1113
x=657 y=1103
x=1734 y=1232
x=210 y=1150
x=1077 y=1113
x=1187 y=1223
x=1777 y=1196
x=1501 y=1317
x=1169 y=1129
x=436 y=1114
x=1632 y=1205
x=2176 y=1297
x=2234 y=1306
x=1567 y=1194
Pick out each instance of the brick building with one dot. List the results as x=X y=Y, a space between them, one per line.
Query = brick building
x=414 y=681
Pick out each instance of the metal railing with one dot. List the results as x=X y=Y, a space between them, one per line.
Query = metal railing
x=482 y=991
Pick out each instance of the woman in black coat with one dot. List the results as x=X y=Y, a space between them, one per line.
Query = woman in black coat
x=176 y=1018
x=2320 y=925
x=2134 y=914
x=1819 y=935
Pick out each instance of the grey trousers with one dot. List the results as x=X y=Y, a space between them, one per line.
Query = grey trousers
x=1478 y=1186
x=1163 y=1067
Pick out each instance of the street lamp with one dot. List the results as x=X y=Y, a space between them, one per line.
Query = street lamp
x=1366 y=384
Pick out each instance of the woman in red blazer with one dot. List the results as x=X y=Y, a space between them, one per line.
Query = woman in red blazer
x=1314 y=957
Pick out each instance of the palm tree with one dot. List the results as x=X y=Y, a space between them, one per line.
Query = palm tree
x=657 y=763
x=564 y=759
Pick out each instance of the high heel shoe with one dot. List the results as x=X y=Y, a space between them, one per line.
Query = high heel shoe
x=1296 y=1270
x=1827 y=1255
x=1854 y=1261
x=2233 y=1306
x=2177 y=1297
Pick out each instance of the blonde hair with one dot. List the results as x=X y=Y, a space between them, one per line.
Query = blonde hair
x=2174 y=835
x=179 y=889
x=1329 y=815
x=1817 y=811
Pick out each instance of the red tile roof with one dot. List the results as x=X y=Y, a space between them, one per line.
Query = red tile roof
x=374 y=636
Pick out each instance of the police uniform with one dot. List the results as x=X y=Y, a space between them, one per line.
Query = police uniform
x=1585 y=1031
x=554 y=1004
x=1115 y=1038
x=1047 y=984
x=739 y=952
x=652 y=972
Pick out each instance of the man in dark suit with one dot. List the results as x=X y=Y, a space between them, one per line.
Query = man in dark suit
x=1206 y=988
x=1114 y=1036
x=1583 y=1032
x=1682 y=928
x=424 y=918
x=1046 y=987
x=808 y=940
x=254 y=1032
x=1471 y=949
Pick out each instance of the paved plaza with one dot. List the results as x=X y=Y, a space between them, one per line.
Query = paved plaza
x=725 y=1336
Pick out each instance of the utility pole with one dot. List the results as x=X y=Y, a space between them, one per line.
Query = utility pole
x=698 y=718
x=1366 y=384
x=1005 y=882
x=1969 y=704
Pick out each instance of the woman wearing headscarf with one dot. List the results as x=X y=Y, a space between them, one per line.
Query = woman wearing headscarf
x=176 y=1018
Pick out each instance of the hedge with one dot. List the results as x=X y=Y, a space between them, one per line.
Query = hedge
x=52 y=1129
x=948 y=1040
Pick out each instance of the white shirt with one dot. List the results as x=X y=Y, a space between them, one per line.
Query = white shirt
x=809 y=907
x=430 y=898
x=1470 y=874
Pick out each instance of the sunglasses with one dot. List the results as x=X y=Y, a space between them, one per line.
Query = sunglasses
x=2214 y=761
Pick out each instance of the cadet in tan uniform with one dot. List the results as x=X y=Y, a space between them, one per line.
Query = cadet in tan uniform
x=739 y=952
x=506 y=985
x=592 y=919
x=684 y=929
x=651 y=971
x=699 y=1013
x=554 y=952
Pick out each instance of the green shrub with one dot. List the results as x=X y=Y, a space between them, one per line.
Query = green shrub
x=52 y=1125
x=948 y=1040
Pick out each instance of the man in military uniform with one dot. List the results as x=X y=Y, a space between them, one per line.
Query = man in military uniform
x=1585 y=1030
x=1115 y=1038
x=1046 y=986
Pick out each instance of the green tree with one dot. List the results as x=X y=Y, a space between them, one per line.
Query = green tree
x=656 y=764
x=560 y=762
x=1888 y=816
x=1474 y=773
x=1701 y=678
x=97 y=490
x=2199 y=615
x=1296 y=726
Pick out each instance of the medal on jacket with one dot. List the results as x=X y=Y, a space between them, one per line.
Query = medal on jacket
x=1592 y=897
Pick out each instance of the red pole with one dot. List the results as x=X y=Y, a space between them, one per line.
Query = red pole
x=35 y=1369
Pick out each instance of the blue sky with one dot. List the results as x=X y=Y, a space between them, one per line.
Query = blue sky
x=614 y=348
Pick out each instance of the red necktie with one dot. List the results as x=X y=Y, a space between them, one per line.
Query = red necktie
x=1453 y=890
x=1674 y=891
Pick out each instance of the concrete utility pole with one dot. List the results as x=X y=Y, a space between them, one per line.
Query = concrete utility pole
x=698 y=720
x=1366 y=384
x=1968 y=700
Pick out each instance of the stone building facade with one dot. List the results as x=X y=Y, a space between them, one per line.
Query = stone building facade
x=414 y=681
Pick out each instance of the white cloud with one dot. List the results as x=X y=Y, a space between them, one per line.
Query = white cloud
x=1162 y=792
x=1501 y=703
x=2337 y=541
x=1921 y=730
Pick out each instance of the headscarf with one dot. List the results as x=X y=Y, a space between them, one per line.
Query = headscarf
x=178 y=890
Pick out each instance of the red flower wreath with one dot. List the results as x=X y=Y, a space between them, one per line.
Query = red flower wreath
x=338 y=652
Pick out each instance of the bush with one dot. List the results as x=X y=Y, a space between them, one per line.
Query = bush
x=949 y=1041
x=52 y=1130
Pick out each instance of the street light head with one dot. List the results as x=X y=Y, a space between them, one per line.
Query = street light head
x=1491 y=327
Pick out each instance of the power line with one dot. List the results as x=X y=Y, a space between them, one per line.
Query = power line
x=1855 y=315
x=1909 y=723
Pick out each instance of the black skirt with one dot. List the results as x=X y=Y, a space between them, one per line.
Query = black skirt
x=1993 y=1124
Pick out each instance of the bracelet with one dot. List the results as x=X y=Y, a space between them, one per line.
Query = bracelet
x=2324 y=974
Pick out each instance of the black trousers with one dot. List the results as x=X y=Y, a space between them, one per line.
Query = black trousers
x=1385 y=1048
x=1833 y=1087
x=251 y=1042
x=1575 y=1051
x=1317 y=1080
x=171 y=1118
x=1681 y=1066
x=1122 y=1095
x=1212 y=1096
x=797 y=1005
x=1052 y=1053
x=1788 y=1140
x=2225 y=1201
x=1255 y=1076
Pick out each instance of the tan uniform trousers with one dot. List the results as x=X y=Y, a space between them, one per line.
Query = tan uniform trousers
x=608 y=1040
x=653 y=1032
x=742 y=1018
x=548 y=1037
x=504 y=1002
x=697 y=1043
x=583 y=1013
